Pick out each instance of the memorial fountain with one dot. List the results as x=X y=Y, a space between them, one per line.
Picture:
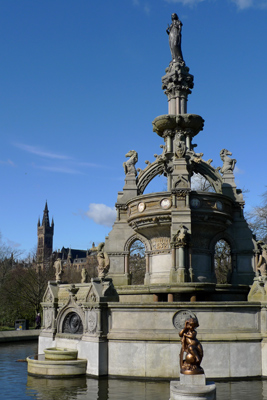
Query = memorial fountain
x=129 y=330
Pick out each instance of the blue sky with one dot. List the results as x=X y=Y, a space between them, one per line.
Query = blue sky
x=81 y=84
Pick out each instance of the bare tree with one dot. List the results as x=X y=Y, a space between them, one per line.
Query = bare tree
x=201 y=184
x=223 y=262
x=257 y=219
x=137 y=263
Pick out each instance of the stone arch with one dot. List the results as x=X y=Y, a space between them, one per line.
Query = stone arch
x=135 y=237
x=210 y=173
x=148 y=174
x=127 y=246
x=70 y=307
x=231 y=248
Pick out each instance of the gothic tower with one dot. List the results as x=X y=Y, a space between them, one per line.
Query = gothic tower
x=45 y=234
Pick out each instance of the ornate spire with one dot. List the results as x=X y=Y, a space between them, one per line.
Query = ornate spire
x=45 y=221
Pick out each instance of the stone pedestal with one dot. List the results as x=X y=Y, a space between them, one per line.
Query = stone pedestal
x=192 y=387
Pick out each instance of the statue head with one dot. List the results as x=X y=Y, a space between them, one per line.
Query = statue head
x=174 y=16
x=191 y=323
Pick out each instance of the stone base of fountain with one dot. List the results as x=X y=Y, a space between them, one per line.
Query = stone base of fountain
x=56 y=362
x=192 y=387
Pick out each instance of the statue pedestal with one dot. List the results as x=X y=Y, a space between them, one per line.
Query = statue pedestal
x=192 y=387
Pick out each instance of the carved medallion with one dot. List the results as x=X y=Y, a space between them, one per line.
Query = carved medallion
x=165 y=204
x=180 y=317
x=141 y=207
x=194 y=202
x=92 y=321
x=72 y=324
x=219 y=205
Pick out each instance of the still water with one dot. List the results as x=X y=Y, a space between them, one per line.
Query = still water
x=16 y=384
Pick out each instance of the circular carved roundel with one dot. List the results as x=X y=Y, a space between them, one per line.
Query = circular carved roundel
x=72 y=324
x=141 y=207
x=165 y=203
x=180 y=317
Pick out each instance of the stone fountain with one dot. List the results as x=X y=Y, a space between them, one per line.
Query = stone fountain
x=127 y=330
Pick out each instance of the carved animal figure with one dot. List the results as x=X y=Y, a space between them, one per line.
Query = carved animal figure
x=228 y=163
x=129 y=165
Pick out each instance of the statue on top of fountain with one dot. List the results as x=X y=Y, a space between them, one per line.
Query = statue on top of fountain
x=175 y=37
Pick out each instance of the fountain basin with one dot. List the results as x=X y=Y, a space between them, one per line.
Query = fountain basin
x=58 y=353
x=41 y=366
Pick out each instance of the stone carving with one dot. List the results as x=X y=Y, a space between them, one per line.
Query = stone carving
x=48 y=297
x=48 y=319
x=175 y=37
x=59 y=269
x=228 y=163
x=129 y=165
x=103 y=261
x=84 y=275
x=160 y=243
x=180 y=149
x=191 y=155
x=180 y=239
x=192 y=347
x=72 y=324
x=261 y=265
x=92 y=320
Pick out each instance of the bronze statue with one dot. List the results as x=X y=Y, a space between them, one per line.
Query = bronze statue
x=192 y=347
x=175 y=37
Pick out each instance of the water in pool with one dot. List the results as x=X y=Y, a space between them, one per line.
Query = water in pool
x=16 y=384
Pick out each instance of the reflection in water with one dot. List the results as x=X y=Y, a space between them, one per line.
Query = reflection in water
x=58 y=389
x=15 y=384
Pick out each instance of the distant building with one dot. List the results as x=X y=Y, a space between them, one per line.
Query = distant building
x=45 y=233
x=75 y=258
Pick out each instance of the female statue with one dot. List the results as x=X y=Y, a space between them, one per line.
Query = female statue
x=175 y=36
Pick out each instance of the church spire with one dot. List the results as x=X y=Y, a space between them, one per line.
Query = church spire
x=45 y=234
x=45 y=221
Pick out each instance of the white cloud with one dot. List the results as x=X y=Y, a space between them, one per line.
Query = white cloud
x=101 y=214
x=242 y=4
x=61 y=169
x=8 y=162
x=40 y=152
x=185 y=2
x=145 y=7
